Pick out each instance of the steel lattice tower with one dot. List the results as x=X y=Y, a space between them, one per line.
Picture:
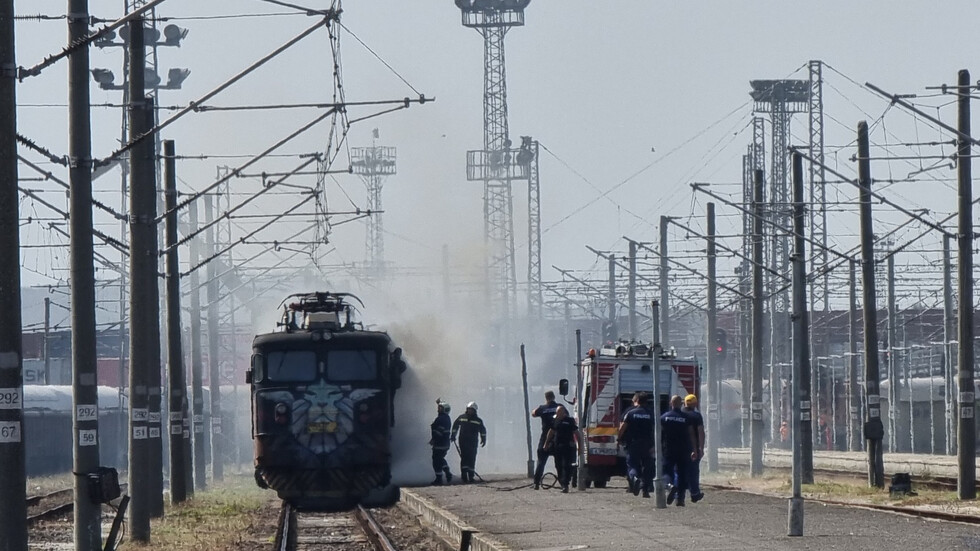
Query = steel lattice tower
x=527 y=158
x=820 y=291
x=373 y=164
x=495 y=165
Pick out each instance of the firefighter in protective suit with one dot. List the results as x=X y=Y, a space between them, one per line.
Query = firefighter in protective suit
x=470 y=429
x=440 y=443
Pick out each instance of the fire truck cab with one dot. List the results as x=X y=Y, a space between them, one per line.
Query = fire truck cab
x=609 y=380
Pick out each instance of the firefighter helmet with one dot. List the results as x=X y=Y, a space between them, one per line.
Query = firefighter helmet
x=472 y=405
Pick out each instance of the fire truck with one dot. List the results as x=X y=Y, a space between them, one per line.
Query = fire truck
x=609 y=380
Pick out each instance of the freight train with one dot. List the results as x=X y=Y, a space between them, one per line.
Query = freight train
x=322 y=390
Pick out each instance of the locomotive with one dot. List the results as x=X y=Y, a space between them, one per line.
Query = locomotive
x=322 y=391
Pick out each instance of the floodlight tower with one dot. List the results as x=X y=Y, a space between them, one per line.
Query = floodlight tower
x=781 y=99
x=495 y=164
x=372 y=164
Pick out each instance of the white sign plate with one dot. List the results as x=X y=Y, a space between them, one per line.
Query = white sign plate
x=139 y=433
x=967 y=397
x=11 y=398
x=966 y=412
x=88 y=437
x=140 y=414
x=154 y=432
x=176 y=416
x=874 y=412
x=87 y=412
x=155 y=417
x=176 y=428
x=9 y=432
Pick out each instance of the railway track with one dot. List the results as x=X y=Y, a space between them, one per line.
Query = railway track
x=305 y=531
x=48 y=506
x=52 y=505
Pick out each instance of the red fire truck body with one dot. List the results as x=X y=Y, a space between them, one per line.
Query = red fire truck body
x=610 y=379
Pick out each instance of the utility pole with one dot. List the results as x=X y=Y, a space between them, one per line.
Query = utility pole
x=614 y=332
x=582 y=411
x=13 y=487
x=800 y=345
x=659 y=493
x=197 y=392
x=632 y=291
x=85 y=397
x=714 y=375
x=892 y=364
x=966 y=435
x=664 y=272
x=755 y=460
x=143 y=280
x=175 y=354
x=853 y=390
x=873 y=429
x=47 y=342
x=214 y=345
x=949 y=334
x=446 y=282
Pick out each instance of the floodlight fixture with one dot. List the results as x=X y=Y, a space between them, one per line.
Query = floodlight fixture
x=492 y=13
x=173 y=35
x=175 y=78
x=792 y=95
x=106 y=79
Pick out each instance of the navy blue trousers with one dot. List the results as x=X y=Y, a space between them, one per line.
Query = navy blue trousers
x=640 y=463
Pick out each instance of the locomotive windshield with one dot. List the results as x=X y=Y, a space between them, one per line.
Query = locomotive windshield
x=291 y=365
x=352 y=365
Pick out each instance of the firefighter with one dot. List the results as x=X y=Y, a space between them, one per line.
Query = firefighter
x=694 y=472
x=679 y=445
x=440 y=443
x=546 y=412
x=469 y=426
x=636 y=434
x=561 y=441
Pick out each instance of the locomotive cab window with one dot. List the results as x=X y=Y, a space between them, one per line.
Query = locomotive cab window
x=352 y=365
x=291 y=365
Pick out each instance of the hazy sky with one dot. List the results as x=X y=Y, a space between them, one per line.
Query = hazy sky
x=633 y=100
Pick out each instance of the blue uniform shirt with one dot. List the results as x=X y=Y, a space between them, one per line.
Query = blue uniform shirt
x=440 y=431
x=639 y=426
x=547 y=414
x=676 y=434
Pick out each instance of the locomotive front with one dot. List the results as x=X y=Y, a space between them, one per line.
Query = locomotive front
x=322 y=395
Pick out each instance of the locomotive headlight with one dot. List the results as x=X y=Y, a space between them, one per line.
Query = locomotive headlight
x=282 y=413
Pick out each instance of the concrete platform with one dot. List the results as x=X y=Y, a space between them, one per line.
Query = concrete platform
x=502 y=515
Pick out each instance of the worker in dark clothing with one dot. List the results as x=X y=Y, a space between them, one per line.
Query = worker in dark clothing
x=470 y=429
x=546 y=412
x=440 y=443
x=561 y=440
x=636 y=434
x=678 y=449
x=694 y=470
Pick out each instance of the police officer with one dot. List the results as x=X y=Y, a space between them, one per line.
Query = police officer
x=636 y=434
x=679 y=449
x=561 y=440
x=469 y=426
x=694 y=470
x=546 y=412
x=440 y=443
